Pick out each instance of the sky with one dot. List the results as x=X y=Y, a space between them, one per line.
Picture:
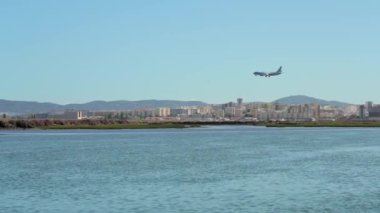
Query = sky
x=78 y=51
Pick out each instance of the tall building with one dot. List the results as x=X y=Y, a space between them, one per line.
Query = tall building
x=239 y=101
x=369 y=105
x=316 y=108
x=254 y=110
x=361 y=111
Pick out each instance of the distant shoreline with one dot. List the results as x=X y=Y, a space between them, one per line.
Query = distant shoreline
x=346 y=124
x=85 y=124
x=123 y=124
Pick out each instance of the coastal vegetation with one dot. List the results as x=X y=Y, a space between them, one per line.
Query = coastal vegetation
x=124 y=124
x=85 y=124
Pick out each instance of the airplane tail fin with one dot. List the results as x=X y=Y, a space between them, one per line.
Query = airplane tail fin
x=279 y=69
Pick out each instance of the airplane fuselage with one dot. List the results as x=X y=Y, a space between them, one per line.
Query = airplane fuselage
x=269 y=74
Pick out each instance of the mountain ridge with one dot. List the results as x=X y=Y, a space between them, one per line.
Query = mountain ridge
x=303 y=99
x=24 y=107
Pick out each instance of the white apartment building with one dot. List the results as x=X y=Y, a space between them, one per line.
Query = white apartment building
x=164 y=112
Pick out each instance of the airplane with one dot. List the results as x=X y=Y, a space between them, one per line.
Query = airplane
x=269 y=74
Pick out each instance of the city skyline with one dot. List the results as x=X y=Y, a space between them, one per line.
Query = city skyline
x=76 y=52
x=25 y=108
x=232 y=111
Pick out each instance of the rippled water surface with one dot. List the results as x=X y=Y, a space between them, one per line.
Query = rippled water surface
x=211 y=169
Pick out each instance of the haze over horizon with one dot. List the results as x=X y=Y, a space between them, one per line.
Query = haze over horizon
x=76 y=52
x=234 y=100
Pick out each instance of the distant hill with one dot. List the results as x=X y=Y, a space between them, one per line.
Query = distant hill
x=302 y=99
x=131 y=105
x=17 y=107
x=25 y=107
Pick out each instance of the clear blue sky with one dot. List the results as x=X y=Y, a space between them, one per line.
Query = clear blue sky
x=74 y=51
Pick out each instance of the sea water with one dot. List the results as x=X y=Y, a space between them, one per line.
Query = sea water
x=208 y=169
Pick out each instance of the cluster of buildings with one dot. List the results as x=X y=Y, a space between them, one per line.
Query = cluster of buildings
x=369 y=111
x=232 y=111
